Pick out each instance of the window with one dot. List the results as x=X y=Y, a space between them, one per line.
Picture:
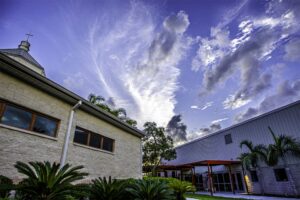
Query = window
x=80 y=136
x=108 y=144
x=254 y=176
x=19 y=117
x=94 y=140
x=228 y=139
x=280 y=175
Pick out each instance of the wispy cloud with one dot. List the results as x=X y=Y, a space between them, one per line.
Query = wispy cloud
x=204 y=107
x=219 y=120
x=138 y=67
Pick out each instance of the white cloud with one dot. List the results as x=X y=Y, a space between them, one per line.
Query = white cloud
x=138 y=67
x=204 y=107
x=220 y=56
x=232 y=103
x=219 y=120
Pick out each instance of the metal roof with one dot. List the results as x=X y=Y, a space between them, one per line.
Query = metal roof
x=23 y=54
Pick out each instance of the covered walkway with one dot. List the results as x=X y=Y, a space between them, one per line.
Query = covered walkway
x=208 y=164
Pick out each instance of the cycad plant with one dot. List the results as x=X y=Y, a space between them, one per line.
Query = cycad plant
x=181 y=187
x=103 y=189
x=45 y=181
x=6 y=185
x=150 y=190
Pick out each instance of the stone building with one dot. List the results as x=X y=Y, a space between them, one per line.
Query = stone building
x=34 y=117
x=212 y=161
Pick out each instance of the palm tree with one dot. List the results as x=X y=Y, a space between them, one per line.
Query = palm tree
x=45 y=181
x=282 y=147
x=251 y=159
x=94 y=99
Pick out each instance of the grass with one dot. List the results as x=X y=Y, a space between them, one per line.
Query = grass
x=206 y=197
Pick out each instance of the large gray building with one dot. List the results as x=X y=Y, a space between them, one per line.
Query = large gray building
x=35 y=114
x=216 y=156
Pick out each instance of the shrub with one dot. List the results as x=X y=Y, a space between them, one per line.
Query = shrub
x=150 y=190
x=47 y=181
x=181 y=187
x=103 y=189
x=6 y=185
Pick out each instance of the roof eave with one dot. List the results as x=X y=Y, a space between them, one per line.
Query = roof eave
x=20 y=71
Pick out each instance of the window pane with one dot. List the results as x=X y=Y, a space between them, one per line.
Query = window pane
x=108 y=144
x=254 y=176
x=45 y=125
x=16 y=117
x=228 y=139
x=280 y=174
x=80 y=136
x=95 y=140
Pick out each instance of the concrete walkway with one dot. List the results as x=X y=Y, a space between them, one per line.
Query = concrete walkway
x=244 y=196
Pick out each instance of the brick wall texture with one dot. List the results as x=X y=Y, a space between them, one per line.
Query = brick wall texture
x=17 y=145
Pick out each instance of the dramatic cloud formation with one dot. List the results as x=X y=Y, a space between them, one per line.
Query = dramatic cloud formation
x=220 y=57
x=285 y=93
x=138 y=67
x=177 y=130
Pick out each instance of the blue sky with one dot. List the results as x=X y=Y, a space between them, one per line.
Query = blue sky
x=214 y=63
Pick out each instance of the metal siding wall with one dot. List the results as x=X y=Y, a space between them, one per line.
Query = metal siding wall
x=285 y=121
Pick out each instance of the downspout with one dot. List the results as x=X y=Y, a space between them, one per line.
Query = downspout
x=67 y=137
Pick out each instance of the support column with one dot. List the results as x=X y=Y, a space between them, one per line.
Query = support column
x=209 y=170
x=230 y=178
x=193 y=177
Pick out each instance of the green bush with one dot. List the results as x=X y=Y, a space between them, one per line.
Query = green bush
x=103 y=189
x=47 y=181
x=6 y=185
x=150 y=189
x=181 y=187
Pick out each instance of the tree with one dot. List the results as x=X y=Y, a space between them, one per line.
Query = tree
x=156 y=146
x=283 y=145
x=45 y=181
x=118 y=112
x=251 y=158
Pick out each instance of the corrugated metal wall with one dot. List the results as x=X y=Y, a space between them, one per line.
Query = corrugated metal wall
x=285 y=120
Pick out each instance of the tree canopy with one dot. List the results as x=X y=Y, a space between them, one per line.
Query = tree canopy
x=156 y=146
x=118 y=112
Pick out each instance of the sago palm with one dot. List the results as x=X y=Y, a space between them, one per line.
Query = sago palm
x=45 y=181
x=150 y=190
x=103 y=189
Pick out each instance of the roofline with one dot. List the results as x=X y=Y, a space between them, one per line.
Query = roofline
x=20 y=71
x=37 y=64
x=241 y=123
